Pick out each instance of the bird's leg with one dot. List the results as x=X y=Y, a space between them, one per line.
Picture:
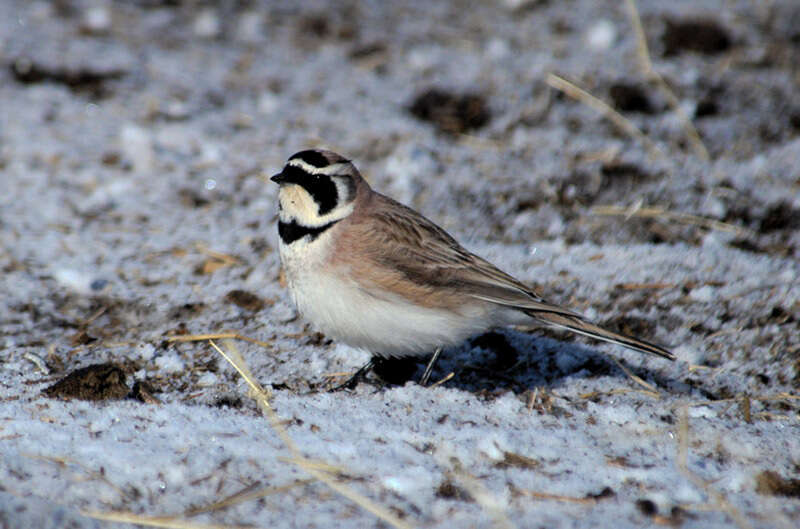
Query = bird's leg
x=426 y=375
x=359 y=375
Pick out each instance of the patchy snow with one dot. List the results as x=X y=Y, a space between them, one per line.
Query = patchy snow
x=134 y=139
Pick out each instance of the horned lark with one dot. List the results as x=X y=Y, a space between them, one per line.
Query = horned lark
x=375 y=274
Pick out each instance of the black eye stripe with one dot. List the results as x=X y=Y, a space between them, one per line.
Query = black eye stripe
x=321 y=187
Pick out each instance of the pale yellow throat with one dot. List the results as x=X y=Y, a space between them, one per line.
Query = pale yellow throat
x=298 y=205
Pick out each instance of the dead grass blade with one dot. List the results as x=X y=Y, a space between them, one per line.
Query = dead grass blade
x=645 y=286
x=481 y=496
x=226 y=259
x=624 y=124
x=721 y=502
x=315 y=464
x=65 y=462
x=619 y=391
x=442 y=381
x=651 y=74
x=216 y=336
x=261 y=397
x=248 y=494
x=319 y=471
x=167 y=522
x=646 y=385
x=765 y=398
x=556 y=497
x=660 y=213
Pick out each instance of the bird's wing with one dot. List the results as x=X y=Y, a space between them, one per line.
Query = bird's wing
x=428 y=260
x=426 y=255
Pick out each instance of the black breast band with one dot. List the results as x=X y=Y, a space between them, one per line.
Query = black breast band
x=292 y=231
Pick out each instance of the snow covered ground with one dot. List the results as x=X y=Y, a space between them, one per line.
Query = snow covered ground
x=134 y=140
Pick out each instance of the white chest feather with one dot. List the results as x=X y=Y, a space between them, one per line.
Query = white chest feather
x=348 y=310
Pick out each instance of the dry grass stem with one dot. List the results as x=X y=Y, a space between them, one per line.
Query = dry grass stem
x=556 y=497
x=645 y=286
x=643 y=52
x=619 y=391
x=531 y=400
x=697 y=367
x=637 y=379
x=756 y=288
x=227 y=259
x=64 y=462
x=167 y=522
x=261 y=396
x=660 y=213
x=442 y=381
x=478 y=142
x=604 y=108
x=99 y=312
x=338 y=374
x=768 y=416
x=682 y=459
x=482 y=497
x=310 y=467
x=316 y=465
x=723 y=332
x=249 y=493
x=38 y=362
x=345 y=491
x=766 y=398
x=216 y=336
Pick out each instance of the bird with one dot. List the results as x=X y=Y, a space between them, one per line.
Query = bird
x=372 y=273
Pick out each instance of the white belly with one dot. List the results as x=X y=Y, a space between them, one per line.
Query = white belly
x=380 y=322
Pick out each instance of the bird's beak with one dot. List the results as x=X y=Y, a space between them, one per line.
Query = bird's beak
x=278 y=178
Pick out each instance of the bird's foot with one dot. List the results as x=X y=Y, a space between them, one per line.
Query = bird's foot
x=357 y=377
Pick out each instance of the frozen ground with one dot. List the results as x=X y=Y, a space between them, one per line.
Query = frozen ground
x=132 y=136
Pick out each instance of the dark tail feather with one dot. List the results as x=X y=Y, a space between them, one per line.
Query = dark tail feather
x=580 y=326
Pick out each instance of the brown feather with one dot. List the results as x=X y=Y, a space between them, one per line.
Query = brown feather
x=395 y=251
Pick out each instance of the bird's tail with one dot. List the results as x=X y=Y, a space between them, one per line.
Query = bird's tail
x=581 y=326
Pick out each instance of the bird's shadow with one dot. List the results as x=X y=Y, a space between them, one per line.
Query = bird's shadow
x=510 y=360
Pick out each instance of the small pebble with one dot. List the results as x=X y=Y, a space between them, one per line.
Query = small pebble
x=703 y=294
x=97 y=20
x=207 y=25
x=601 y=35
x=75 y=281
x=136 y=144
